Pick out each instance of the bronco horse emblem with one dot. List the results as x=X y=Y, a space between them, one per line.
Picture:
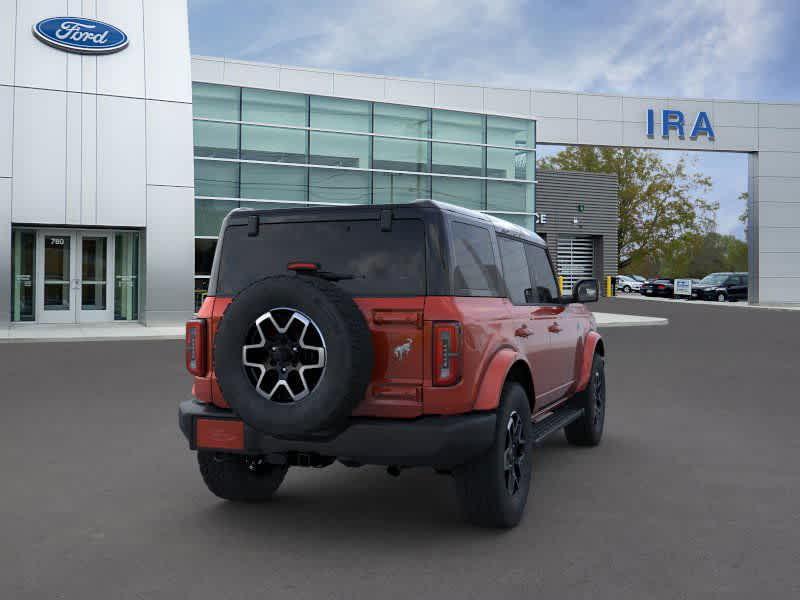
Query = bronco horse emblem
x=401 y=351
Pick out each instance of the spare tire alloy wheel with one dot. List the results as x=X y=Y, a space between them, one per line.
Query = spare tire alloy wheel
x=293 y=356
x=286 y=356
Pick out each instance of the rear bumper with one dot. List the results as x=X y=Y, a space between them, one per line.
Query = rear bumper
x=444 y=441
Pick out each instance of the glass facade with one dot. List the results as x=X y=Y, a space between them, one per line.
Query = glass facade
x=271 y=149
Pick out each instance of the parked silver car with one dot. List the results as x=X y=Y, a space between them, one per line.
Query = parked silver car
x=628 y=284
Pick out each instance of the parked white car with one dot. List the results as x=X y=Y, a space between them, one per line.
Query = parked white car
x=628 y=284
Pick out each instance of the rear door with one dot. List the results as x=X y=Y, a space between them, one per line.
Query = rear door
x=529 y=327
x=550 y=312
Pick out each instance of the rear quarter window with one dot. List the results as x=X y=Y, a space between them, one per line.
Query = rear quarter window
x=382 y=263
x=475 y=270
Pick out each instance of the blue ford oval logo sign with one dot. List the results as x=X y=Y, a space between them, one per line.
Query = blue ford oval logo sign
x=76 y=34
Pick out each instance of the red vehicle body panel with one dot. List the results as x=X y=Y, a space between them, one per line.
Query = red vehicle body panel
x=552 y=345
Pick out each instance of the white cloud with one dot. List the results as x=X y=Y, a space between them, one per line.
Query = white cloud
x=687 y=47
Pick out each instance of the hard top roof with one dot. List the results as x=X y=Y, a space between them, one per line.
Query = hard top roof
x=500 y=225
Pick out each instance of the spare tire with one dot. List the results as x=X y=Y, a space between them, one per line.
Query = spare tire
x=293 y=355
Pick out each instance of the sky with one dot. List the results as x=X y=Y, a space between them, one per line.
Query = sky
x=732 y=49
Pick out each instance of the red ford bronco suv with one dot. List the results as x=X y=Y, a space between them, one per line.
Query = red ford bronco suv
x=405 y=335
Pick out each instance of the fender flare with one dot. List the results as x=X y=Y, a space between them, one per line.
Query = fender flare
x=593 y=339
x=488 y=396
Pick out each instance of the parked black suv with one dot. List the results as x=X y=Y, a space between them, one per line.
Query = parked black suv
x=721 y=287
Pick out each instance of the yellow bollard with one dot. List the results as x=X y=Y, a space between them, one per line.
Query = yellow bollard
x=608 y=286
x=561 y=285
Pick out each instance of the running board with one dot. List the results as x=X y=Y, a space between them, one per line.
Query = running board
x=558 y=420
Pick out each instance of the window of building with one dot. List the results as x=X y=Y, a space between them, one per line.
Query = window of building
x=405 y=121
x=208 y=215
x=212 y=101
x=269 y=204
x=394 y=188
x=339 y=186
x=279 y=108
x=509 y=164
x=216 y=178
x=456 y=126
x=23 y=262
x=273 y=182
x=126 y=276
x=507 y=131
x=273 y=144
x=340 y=114
x=463 y=192
x=204 y=256
x=340 y=150
x=475 y=270
x=457 y=159
x=400 y=155
x=542 y=275
x=515 y=270
x=509 y=196
x=525 y=221
x=200 y=291
x=218 y=140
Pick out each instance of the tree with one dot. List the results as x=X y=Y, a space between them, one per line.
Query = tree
x=659 y=202
x=695 y=255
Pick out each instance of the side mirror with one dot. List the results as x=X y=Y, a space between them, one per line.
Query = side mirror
x=586 y=290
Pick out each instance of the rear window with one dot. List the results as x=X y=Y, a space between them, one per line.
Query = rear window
x=383 y=263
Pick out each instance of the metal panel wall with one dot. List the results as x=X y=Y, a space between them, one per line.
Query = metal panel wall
x=39 y=156
x=169 y=262
x=558 y=194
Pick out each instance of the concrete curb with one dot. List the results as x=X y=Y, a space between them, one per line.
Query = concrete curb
x=605 y=320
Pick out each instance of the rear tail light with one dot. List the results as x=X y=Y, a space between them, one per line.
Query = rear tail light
x=661 y=287
x=447 y=363
x=196 y=347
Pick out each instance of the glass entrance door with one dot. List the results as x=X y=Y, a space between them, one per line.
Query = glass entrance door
x=73 y=272
x=56 y=277
x=94 y=301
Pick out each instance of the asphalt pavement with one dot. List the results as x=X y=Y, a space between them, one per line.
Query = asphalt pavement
x=694 y=492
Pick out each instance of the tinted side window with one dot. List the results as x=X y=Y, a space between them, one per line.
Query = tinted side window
x=515 y=270
x=475 y=271
x=545 y=286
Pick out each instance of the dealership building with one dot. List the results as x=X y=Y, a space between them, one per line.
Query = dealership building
x=120 y=154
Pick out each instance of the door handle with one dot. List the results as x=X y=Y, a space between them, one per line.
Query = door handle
x=523 y=331
x=554 y=328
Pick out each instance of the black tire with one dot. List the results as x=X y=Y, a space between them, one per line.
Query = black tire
x=627 y=289
x=331 y=392
x=491 y=495
x=722 y=297
x=588 y=430
x=239 y=478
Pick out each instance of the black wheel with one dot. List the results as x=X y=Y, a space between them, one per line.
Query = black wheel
x=627 y=289
x=588 y=430
x=293 y=355
x=721 y=297
x=493 y=489
x=240 y=478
